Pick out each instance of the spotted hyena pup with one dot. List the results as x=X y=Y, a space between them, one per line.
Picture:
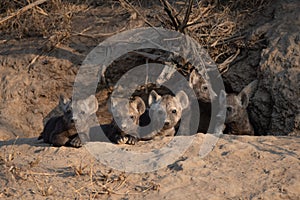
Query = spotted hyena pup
x=165 y=112
x=237 y=119
x=126 y=120
x=205 y=96
x=61 y=130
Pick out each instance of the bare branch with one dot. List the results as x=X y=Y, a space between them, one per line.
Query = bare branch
x=183 y=25
x=168 y=9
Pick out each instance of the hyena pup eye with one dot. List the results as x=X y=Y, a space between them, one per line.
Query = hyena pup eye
x=229 y=109
x=160 y=112
x=204 y=88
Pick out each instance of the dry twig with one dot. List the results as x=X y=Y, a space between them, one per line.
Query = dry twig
x=94 y=36
x=223 y=67
x=178 y=25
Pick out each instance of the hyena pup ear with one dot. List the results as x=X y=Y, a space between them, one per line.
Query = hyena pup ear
x=194 y=78
x=182 y=99
x=244 y=98
x=140 y=105
x=153 y=97
x=247 y=92
x=91 y=104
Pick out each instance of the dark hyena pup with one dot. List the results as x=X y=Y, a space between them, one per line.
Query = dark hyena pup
x=61 y=130
x=237 y=119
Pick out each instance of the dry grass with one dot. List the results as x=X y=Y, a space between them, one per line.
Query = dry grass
x=47 y=19
x=218 y=28
x=215 y=27
x=86 y=179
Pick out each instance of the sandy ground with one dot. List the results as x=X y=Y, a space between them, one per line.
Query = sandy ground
x=237 y=168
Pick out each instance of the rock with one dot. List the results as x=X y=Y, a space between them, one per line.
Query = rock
x=276 y=105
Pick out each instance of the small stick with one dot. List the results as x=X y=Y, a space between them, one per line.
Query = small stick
x=44 y=174
x=230 y=39
x=132 y=7
x=98 y=34
x=22 y=10
x=223 y=67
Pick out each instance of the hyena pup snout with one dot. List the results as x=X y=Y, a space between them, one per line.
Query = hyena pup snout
x=171 y=117
x=65 y=106
x=158 y=116
x=173 y=114
x=126 y=113
x=124 y=123
x=126 y=116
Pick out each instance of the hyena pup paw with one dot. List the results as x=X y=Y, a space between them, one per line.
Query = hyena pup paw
x=76 y=142
x=121 y=139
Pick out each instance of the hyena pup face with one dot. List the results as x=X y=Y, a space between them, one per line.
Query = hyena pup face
x=165 y=112
x=237 y=120
x=236 y=107
x=82 y=109
x=61 y=130
x=202 y=87
x=126 y=119
x=65 y=105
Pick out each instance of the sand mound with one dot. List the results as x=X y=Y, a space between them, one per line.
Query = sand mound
x=238 y=167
